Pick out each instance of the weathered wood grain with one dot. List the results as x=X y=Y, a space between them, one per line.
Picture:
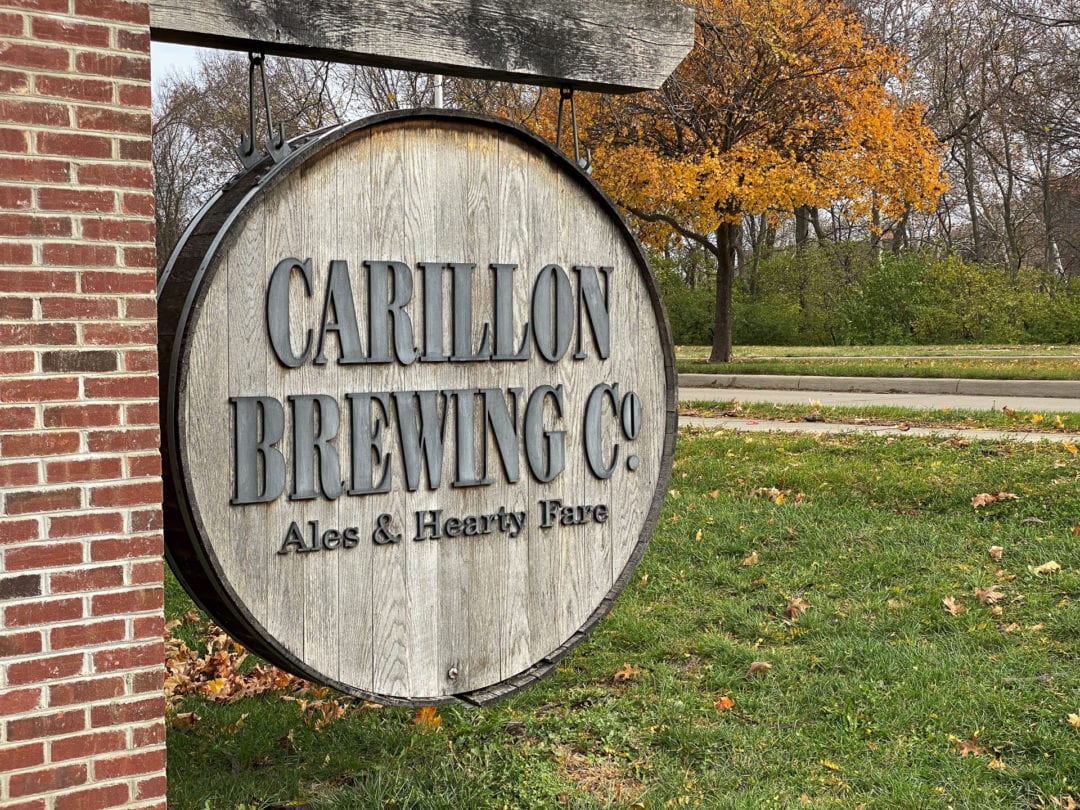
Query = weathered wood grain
x=422 y=621
x=612 y=46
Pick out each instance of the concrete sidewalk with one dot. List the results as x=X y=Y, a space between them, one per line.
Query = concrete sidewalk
x=887 y=385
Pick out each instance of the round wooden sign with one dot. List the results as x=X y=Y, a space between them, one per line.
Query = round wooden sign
x=418 y=409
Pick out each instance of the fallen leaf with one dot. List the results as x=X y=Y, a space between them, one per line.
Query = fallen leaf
x=995 y=764
x=714 y=494
x=758 y=668
x=1074 y=720
x=986 y=498
x=644 y=579
x=724 y=704
x=1036 y=418
x=427 y=718
x=796 y=607
x=965 y=747
x=697 y=537
x=625 y=674
x=1011 y=627
x=832 y=766
x=996 y=552
x=1070 y=447
x=287 y=741
x=1009 y=412
x=1076 y=531
x=952 y=607
x=184 y=720
x=751 y=559
x=903 y=426
x=1051 y=567
x=988 y=596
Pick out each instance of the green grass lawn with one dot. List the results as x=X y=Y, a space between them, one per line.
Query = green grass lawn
x=966 y=362
x=826 y=557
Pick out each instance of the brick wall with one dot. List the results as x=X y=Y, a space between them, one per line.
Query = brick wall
x=81 y=711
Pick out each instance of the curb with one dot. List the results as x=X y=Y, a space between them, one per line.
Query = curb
x=1067 y=389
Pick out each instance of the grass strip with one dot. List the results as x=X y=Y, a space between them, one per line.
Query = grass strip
x=978 y=369
x=820 y=621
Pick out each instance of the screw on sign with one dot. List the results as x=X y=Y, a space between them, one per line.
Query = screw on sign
x=413 y=373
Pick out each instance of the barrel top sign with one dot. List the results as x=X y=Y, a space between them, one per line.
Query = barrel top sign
x=418 y=404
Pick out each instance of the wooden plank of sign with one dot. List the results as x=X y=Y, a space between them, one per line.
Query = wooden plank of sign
x=611 y=47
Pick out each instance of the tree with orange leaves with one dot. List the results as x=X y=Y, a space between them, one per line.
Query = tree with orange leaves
x=781 y=105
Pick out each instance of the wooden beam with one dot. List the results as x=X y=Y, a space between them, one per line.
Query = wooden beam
x=608 y=46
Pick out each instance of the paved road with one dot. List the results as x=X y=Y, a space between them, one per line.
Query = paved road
x=902 y=400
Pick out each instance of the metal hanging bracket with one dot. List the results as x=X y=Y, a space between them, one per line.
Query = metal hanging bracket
x=276 y=145
x=585 y=163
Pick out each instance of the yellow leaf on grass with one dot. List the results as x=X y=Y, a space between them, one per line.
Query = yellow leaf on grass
x=1051 y=567
x=427 y=718
x=724 y=704
x=1074 y=720
x=1070 y=447
x=832 y=766
x=751 y=559
x=625 y=674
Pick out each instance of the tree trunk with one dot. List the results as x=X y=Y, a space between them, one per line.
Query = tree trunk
x=725 y=281
x=973 y=209
x=802 y=227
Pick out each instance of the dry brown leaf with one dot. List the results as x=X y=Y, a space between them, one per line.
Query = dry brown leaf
x=986 y=498
x=625 y=673
x=724 y=704
x=751 y=559
x=995 y=764
x=996 y=552
x=758 y=668
x=796 y=607
x=1076 y=531
x=965 y=747
x=184 y=720
x=1009 y=412
x=952 y=607
x=1011 y=627
x=714 y=494
x=1051 y=567
x=427 y=718
x=988 y=596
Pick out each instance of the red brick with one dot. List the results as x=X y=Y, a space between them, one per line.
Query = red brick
x=119 y=230
x=146 y=627
x=18 y=757
x=20 y=701
x=74 y=145
x=76 y=89
x=38 y=113
x=11 y=25
x=141 y=360
x=126 y=494
x=15 y=198
x=104 y=441
x=17 y=418
x=43 y=612
x=81 y=415
x=119 y=714
x=128 y=387
x=49 y=779
x=136 y=308
x=98 y=282
x=129 y=657
x=86 y=525
x=39 y=281
x=19 y=531
x=130 y=764
x=135 y=95
x=84 y=690
x=44 y=669
x=39 y=5
x=33 y=170
x=133 y=600
x=108 y=119
x=144 y=466
x=146 y=520
x=95 y=798
x=31 y=558
x=14 y=141
x=126 y=548
x=113 y=10
x=12 y=254
x=87 y=579
x=74 y=33
x=150 y=680
x=34 y=225
x=65 y=254
x=16 y=362
x=143 y=413
x=76 y=199
x=40 y=57
x=38 y=444
x=13 y=644
x=133 y=40
x=39 y=389
x=30 y=334
x=140 y=257
x=114 y=175
x=16 y=308
x=136 y=149
x=89 y=635
x=82 y=308
x=89 y=469
x=16 y=82
x=33 y=502
x=120 y=334
x=19 y=475
x=150 y=788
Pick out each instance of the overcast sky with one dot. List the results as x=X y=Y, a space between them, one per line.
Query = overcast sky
x=166 y=58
